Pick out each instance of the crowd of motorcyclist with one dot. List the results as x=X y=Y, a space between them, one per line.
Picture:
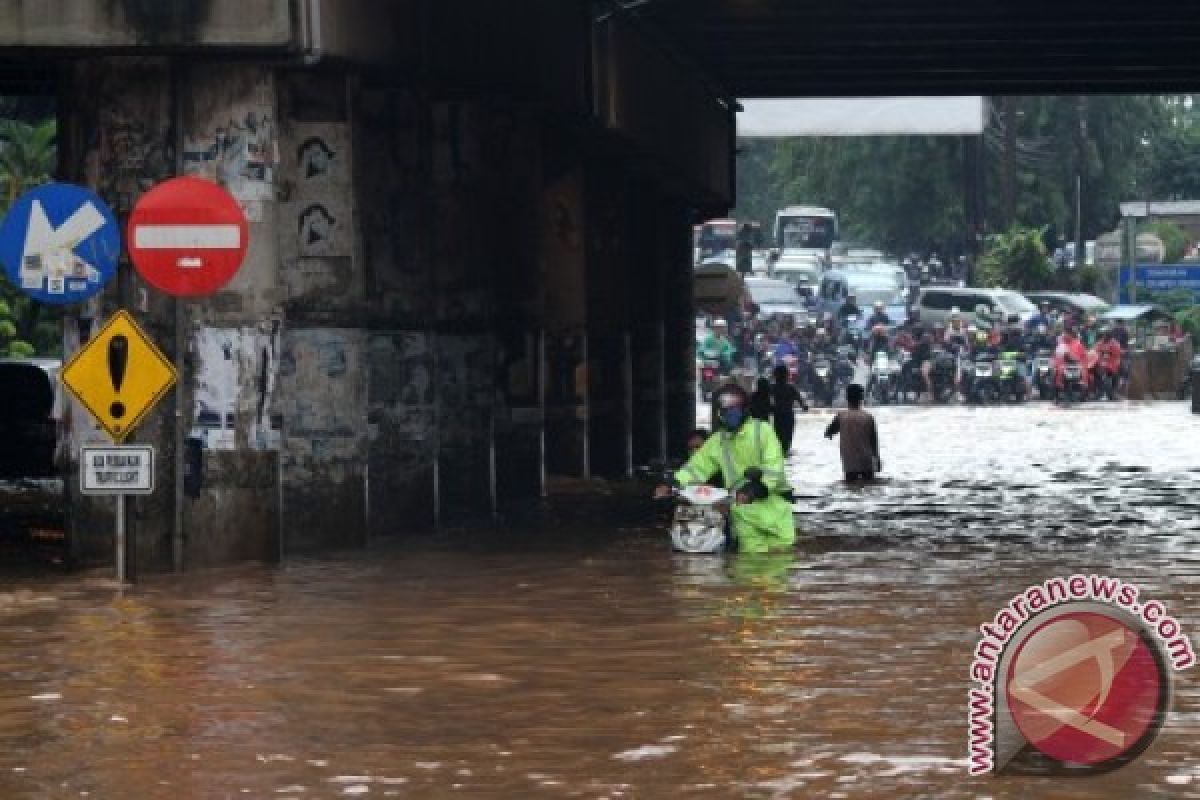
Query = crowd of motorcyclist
x=1060 y=356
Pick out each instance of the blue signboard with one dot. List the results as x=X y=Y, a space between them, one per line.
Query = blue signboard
x=1163 y=278
x=60 y=244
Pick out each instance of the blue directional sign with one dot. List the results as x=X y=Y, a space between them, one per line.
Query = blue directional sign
x=60 y=244
x=1162 y=278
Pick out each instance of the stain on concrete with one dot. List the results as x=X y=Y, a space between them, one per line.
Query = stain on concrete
x=164 y=21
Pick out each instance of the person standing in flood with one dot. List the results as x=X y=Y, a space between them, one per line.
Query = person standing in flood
x=860 y=438
x=784 y=399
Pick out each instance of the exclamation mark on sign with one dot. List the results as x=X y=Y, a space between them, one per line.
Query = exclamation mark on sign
x=118 y=360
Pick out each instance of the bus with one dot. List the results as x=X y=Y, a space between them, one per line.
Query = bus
x=806 y=230
x=717 y=239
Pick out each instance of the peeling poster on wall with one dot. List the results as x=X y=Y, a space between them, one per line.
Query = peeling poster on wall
x=236 y=375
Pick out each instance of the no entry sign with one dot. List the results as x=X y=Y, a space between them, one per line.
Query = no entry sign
x=188 y=237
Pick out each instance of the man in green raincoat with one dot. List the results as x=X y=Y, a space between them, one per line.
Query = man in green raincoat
x=761 y=517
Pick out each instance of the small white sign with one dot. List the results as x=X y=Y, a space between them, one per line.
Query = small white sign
x=117 y=470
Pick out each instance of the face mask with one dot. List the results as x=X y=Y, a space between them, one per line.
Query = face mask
x=732 y=418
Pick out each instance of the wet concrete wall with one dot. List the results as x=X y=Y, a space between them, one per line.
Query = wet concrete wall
x=449 y=297
x=130 y=23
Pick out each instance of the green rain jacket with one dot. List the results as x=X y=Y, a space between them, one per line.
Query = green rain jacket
x=723 y=347
x=763 y=525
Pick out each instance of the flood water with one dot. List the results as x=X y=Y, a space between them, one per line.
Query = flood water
x=587 y=661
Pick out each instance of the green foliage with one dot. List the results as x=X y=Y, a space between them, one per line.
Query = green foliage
x=1016 y=260
x=1173 y=237
x=1174 y=301
x=1189 y=320
x=28 y=156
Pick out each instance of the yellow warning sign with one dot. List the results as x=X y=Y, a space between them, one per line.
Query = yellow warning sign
x=119 y=375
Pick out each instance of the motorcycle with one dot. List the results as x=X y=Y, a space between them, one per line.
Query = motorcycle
x=1073 y=386
x=699 y=523
x=823 y=388
x=1009 y=383
x=884 y=378
x=843 y=370
x=1043 y=373
x=909 y=385
x=984 y=389
x=942 y=376
x=710 y=373
x=1104 y=378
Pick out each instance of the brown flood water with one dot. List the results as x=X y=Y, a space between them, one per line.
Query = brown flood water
x=589 y=662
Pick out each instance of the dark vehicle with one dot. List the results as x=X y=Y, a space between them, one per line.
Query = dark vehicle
x=32 y=523
x=30 y=400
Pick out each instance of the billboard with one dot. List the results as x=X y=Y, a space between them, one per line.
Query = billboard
x=1161 y=278
x=861 y=116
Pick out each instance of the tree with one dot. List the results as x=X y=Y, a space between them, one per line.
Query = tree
x=1016 y=260
x=28 y=157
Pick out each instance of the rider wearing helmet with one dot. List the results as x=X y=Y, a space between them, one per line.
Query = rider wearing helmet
x=718 y=340
x=747 y=454
x=879 y=317
x=879 y=340
x=955 y=337
x=849 y=309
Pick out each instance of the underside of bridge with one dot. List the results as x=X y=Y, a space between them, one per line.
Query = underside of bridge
x=470 y=224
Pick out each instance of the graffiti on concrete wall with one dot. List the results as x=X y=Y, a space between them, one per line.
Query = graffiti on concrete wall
x=128 y=126
x=235 y=380
x=322 y=397
x=238 y=146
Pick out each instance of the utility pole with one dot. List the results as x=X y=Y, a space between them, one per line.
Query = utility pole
x=1009 y=108
x=1080 y=172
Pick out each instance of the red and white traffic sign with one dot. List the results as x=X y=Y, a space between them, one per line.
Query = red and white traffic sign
x=188 y=237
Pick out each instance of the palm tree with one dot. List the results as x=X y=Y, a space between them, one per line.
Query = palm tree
x=28 y=155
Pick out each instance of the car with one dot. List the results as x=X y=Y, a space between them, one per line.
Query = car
x=802 y=272
x=937 y=303
x=31 y=398
x=1070 y=302
x=774 y=297
x=868 y=287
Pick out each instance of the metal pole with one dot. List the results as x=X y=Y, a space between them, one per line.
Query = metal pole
x=120 y=539
x=1131 y=243
x=543 y=371
x=180 y=341
x=628 y=405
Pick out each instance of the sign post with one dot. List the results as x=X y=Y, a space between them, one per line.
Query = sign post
x=117 y=472
x=118 y=376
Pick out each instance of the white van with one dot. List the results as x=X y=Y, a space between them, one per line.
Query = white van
x=937 y=303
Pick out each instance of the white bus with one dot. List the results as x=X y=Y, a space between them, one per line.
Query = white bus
x=807 y=230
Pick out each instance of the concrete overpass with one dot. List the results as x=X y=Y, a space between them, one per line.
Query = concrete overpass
x=470 y=224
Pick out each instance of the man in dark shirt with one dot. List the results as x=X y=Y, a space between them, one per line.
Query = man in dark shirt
x=860 y=438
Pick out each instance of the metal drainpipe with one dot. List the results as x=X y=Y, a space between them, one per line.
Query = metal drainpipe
x=311 y=39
